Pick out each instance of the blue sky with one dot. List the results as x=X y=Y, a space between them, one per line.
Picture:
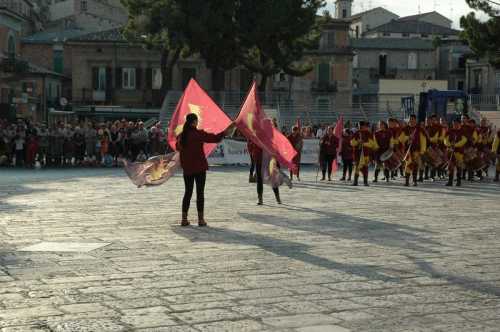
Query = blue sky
x=452 y=9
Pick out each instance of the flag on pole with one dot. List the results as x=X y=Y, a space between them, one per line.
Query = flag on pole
x=253 y=123
x=339 y=129
x=210 y=117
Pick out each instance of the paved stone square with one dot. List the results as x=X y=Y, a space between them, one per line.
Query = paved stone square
x=332 y=258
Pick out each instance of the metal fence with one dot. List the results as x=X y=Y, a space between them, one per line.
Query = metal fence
x=484 y=103
x=311 y=108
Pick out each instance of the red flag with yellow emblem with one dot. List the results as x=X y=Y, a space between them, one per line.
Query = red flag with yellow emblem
x=253 y=123
x=210 y=117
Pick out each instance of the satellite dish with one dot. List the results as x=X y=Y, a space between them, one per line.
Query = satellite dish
x=63 y=101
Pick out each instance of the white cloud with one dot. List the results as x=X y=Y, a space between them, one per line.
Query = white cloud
x=452 y=9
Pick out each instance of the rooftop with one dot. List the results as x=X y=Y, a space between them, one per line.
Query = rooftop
x=112 y=35
x=358 y=15
x=414 y=26
x=419 y=16
x=49 y=37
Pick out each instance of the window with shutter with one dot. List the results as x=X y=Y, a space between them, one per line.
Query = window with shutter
x=331 y=39
x=58 y=61
x=95 y=78
x=412 y=60
x=118 y=78
x=128 y=78
x=324 y=73
x=156 y=78
x=138 y=78
x=101 y=79
x=11 y=46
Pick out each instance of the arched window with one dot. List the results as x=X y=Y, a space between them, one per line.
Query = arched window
x=11 y=46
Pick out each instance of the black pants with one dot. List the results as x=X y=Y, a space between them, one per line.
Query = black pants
x=19 y=158
x=260 y=181
x=252 y=166
x=189 y=181
x=347 y=167
x=326 y=163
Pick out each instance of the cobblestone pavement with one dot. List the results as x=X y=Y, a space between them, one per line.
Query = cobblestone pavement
x=332 y=258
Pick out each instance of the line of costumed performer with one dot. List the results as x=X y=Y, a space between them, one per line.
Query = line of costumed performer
x=415 y=143
x=364 y=144
x=194 y=164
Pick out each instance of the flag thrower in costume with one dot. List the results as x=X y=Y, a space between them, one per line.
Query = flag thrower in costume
x=253 y=123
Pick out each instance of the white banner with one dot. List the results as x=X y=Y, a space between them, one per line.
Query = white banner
x=310 y=151
x=231 y=152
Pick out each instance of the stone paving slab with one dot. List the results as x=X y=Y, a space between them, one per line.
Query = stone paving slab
x=332 y=258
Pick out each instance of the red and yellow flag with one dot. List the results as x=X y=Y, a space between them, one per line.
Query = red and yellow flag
x=253 y=123
x=210 y=117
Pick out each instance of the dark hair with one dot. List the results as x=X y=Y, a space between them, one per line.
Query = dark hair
x=188 y=125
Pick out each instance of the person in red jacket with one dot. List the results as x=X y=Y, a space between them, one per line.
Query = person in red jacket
x=194 y=164
x=297 y=142
x=346 y=153
x=328 y=146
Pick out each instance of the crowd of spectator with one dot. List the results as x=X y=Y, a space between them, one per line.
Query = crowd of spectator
x=27 y=144
x=313 y=131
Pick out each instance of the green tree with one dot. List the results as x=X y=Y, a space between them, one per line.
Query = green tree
x=211 y=31
x=483 y=36
x=275 y=35
x=158 y=25
x=265 y=36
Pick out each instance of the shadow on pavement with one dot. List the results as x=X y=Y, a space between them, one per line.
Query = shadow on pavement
x=283 y=248
x=353 y=228
x=465 y=282
x=7 y=193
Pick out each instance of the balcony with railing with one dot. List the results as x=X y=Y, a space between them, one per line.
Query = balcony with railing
x=322 y=86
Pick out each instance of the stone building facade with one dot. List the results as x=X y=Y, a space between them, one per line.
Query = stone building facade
x=381 y=58
x=107 y=70
x=91 y=15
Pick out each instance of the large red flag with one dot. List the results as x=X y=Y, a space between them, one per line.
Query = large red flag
x=339 y=129
x=253 y=123
x=210 y=117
